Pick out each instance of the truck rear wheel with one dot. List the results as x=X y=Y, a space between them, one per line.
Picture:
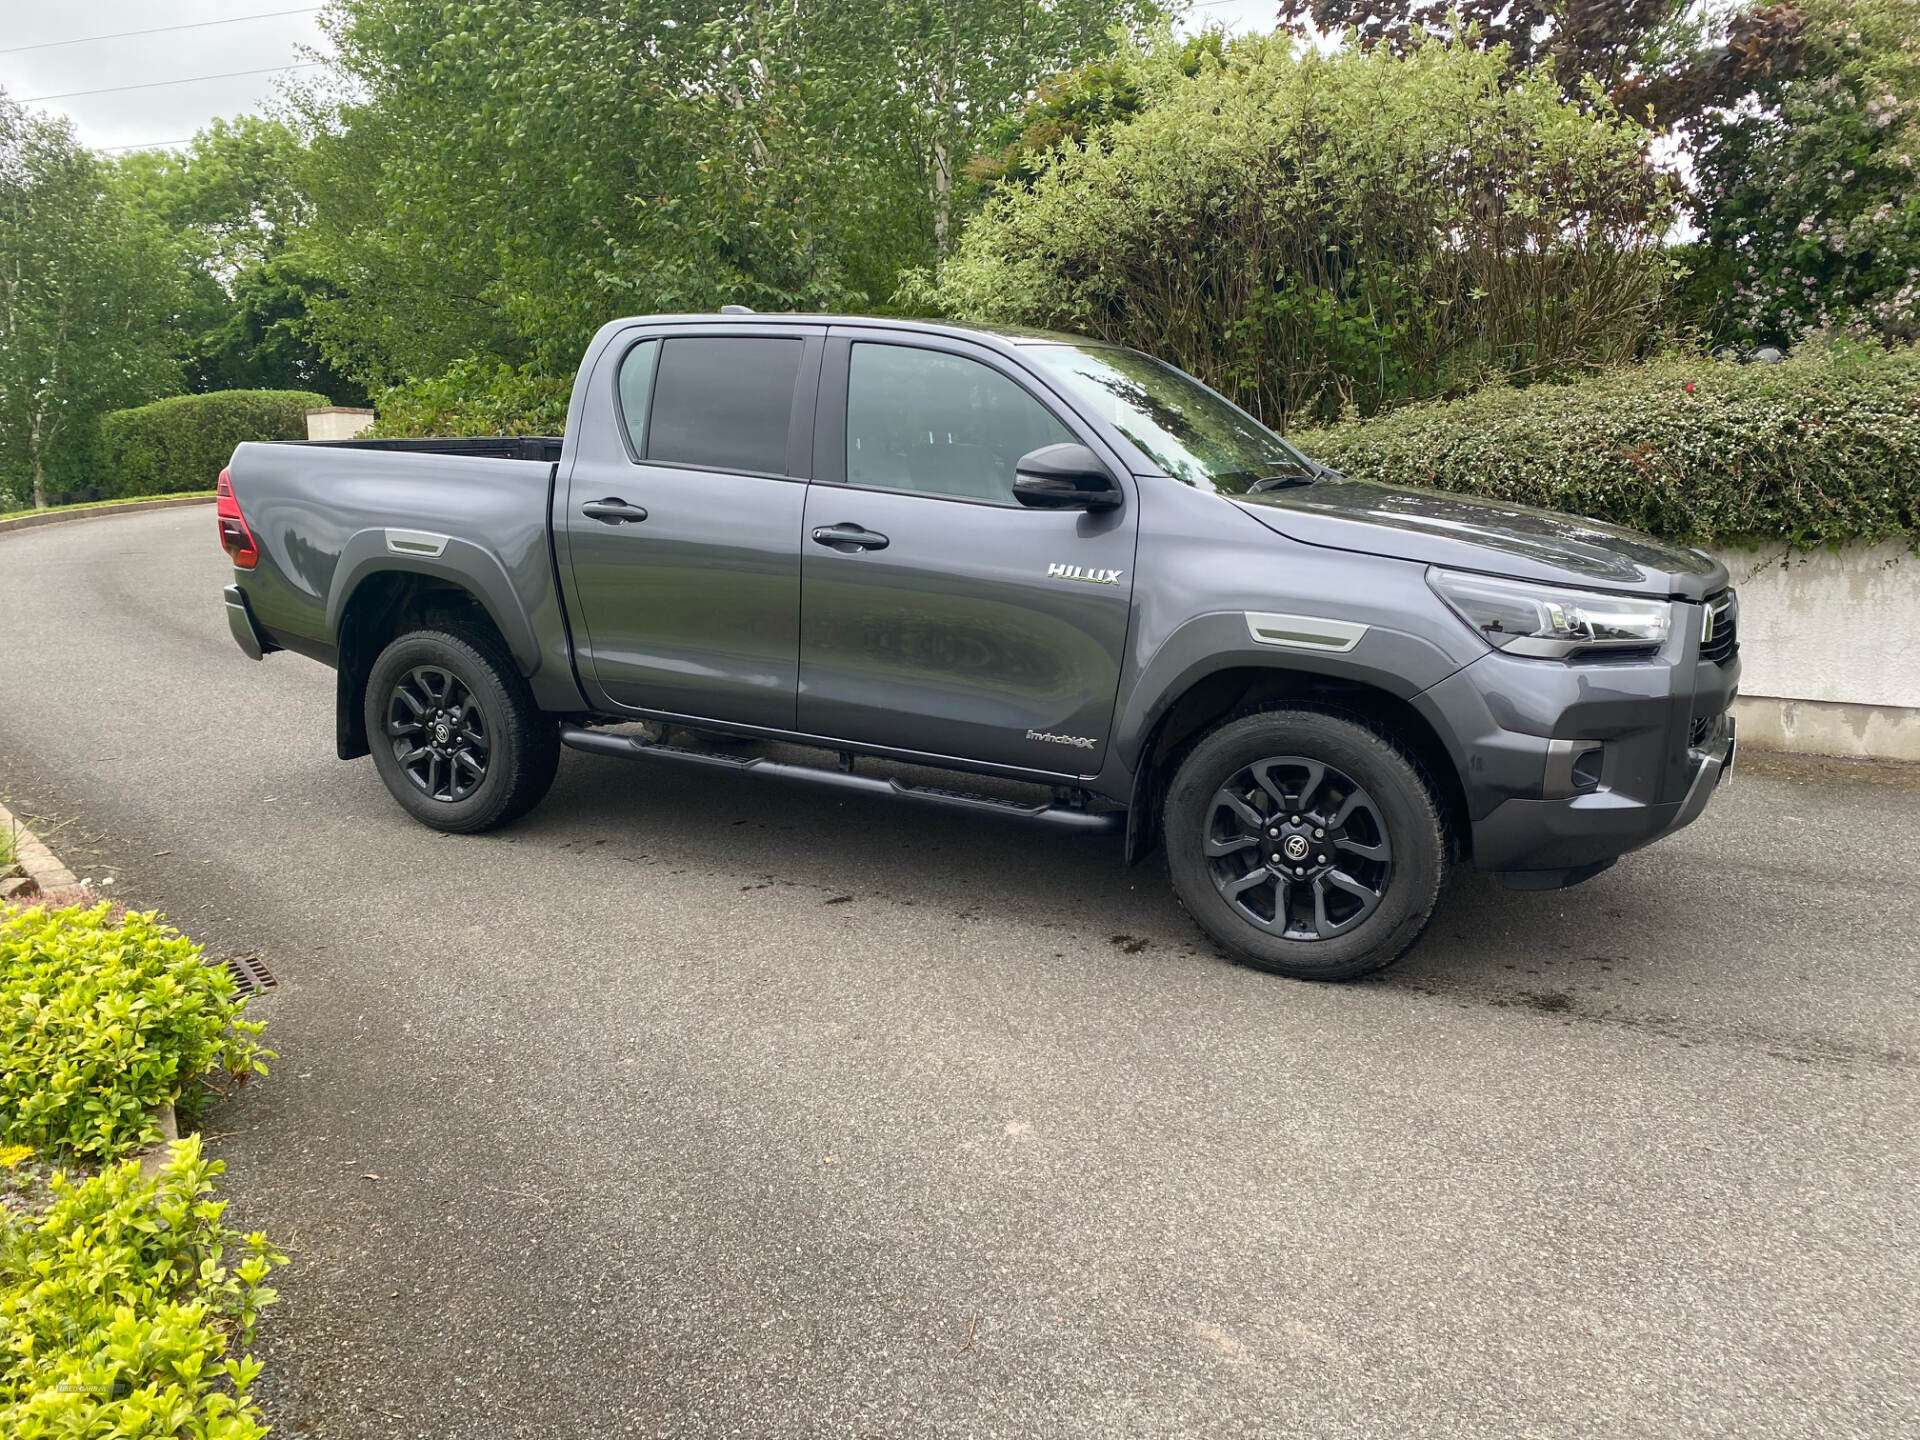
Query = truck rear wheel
x=1305 y=841
x=455 y=732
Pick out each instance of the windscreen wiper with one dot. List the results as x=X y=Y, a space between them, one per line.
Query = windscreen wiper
x=1313 y=472
x=1282 y=480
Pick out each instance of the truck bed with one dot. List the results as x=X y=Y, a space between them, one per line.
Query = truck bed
x=472 y=512
x=541 y=449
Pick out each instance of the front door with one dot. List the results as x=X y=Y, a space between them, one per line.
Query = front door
x=938 y=614
x=683 y=515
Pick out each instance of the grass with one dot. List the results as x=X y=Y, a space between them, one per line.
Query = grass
x=93 y=504
x=9 y=852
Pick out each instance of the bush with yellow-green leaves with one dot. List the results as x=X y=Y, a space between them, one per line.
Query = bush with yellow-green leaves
x=126 y=1306
x=102 y=1021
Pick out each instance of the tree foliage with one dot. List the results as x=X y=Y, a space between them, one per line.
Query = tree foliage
x=229 y=206
x=1673 y=58
x=1311 y=233
x=85 y=303
x=500 y=177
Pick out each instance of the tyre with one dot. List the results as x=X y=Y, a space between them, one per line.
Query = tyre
x=455 y=733
x=1305 y=841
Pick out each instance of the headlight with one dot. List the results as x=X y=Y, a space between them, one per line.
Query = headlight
x=1527 y=619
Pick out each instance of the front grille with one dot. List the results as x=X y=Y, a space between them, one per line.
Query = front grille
x=1720 y=629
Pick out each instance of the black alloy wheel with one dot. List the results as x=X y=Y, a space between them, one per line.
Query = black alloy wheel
x=455 y=732
x=1298 y=848
x=438 y=733
x=1307 y=841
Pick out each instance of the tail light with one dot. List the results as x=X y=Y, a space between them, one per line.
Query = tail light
x=235 y=538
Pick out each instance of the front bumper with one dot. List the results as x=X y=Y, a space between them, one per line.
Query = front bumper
x=1652 y=740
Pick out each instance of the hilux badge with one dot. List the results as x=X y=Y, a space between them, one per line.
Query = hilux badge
x=1084 y=574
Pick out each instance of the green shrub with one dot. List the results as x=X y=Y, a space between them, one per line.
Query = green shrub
x=119 y=1305
x=101 y=1021
x=1310 y=232
x=182 y=443
x=1820 y=450
x=476 y=397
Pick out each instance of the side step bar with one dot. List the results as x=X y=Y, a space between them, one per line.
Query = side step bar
x=632 y=747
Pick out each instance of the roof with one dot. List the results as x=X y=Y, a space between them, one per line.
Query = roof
x=959 y=329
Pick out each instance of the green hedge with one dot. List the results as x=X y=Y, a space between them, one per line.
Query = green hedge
x=101 y=1021
x=182 y=443
x=127 y=1308
x=1820 y=450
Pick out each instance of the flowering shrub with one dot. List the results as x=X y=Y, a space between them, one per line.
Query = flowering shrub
x=102 y=1021
x=1812 y=206
x=1820 y=450
x=119 y=1306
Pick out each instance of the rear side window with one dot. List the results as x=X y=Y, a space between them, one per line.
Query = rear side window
x=939 y=424
x=722 y=403
x=636 y=391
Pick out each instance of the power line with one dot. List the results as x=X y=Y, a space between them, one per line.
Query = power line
x=159 y=84
x=145 y=145
x=160 y=29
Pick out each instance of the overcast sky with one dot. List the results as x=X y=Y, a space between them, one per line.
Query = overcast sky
x=163 y=113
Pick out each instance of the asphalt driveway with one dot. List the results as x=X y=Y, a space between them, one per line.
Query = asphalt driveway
x=699 y=1106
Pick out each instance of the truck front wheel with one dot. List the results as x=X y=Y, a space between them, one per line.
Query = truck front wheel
x=1305 y=841
x=455 y=732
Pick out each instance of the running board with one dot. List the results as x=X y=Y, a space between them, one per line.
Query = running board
x=632 y=747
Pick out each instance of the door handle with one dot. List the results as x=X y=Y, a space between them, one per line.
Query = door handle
x=613 y=511
x=848 y=538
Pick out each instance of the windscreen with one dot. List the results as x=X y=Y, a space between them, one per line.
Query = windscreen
x=1190 y=432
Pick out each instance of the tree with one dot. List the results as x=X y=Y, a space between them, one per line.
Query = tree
x=1075 y=106
x=496 y=178
x=85 y=305
x=1674 y=59
x=1314 y=233
x=231 y=204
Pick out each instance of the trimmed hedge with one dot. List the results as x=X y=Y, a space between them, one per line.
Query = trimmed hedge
x=1820 y=450
x=181 y=443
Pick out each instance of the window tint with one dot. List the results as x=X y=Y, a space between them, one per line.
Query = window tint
x=942 y=424
x=636 y=391
x=724 y=402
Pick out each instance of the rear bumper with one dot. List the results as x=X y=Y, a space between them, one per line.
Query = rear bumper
x=1567 y=767
x=247 y=633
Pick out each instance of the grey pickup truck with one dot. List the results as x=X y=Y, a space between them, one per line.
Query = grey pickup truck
x=815 y=543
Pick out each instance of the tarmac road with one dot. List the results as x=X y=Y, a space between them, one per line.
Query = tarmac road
x=694 y=1105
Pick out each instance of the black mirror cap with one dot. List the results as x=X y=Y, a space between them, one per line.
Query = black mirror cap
x=1064 y=477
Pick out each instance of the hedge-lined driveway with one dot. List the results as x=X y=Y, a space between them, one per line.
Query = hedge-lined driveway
x=704 y=1107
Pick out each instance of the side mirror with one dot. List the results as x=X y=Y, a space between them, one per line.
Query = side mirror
x=1064 y=477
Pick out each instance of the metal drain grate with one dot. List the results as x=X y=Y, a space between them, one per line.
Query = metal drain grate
x=250 y=973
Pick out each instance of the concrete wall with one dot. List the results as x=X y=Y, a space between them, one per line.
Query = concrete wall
x=1830 y=650
x=337 y=422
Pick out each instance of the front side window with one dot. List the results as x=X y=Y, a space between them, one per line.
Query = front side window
x=723 y=402
x=939 y=424
x=1191 y=433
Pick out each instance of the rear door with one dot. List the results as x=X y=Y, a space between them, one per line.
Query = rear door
x=964 y=624
x=682 y=521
